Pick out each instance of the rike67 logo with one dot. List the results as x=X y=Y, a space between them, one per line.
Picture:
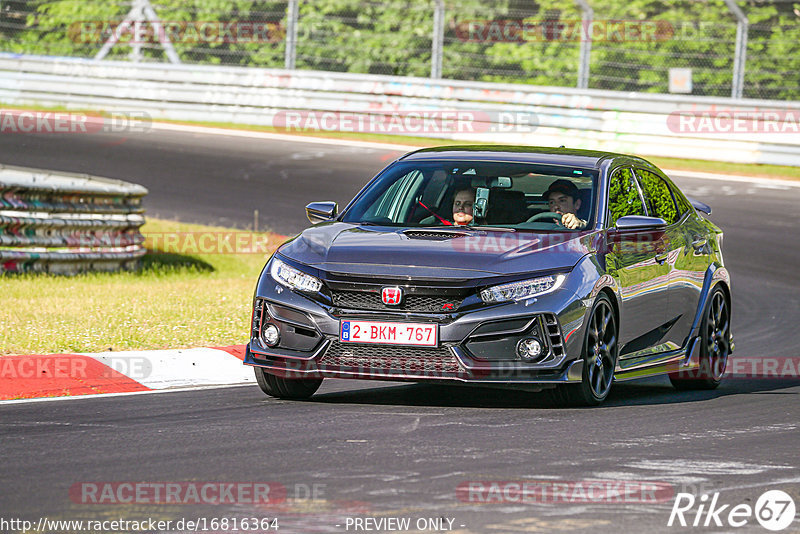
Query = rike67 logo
x=774 y=510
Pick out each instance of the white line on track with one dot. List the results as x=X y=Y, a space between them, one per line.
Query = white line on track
x=122 y=394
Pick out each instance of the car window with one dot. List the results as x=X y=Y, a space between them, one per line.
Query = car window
x=623 y=196
x=657 y=196
x=397 y=199
x=681 y=201
x=422 y=194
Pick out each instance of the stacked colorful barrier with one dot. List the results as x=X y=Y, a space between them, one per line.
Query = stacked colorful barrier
x=68 y=223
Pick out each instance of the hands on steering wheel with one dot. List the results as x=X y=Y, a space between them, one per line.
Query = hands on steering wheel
x=545 y=215
x=567 y=220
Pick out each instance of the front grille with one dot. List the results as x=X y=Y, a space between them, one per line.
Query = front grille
x=391 y=359
x=554 y=333
x=363 y=300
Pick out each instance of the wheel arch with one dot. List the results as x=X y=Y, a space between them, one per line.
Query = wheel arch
x=614 y=303
x=716 y=276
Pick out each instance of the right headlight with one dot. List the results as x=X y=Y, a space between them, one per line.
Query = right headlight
x=525 y=289
x=293 y=278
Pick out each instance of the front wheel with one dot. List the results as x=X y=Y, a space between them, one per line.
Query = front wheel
x=600 y=353
x=286 y=388
x=715 y=347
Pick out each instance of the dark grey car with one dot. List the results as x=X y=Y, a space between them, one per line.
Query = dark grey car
x=392 y=289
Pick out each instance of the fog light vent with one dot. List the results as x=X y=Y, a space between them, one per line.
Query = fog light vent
x=530 y=349
x=271 y=335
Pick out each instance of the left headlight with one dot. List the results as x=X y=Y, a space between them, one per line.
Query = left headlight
x=293 y=278
x=525 y=289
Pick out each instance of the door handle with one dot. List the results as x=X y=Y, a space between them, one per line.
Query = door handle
x=661 y=258
x=699 y=243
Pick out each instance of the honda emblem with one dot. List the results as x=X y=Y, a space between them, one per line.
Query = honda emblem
x=392 y=296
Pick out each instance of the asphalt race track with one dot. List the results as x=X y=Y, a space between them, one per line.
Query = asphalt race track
x=363 y=449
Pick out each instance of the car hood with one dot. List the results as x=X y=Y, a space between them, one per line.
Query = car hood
x=383 y=251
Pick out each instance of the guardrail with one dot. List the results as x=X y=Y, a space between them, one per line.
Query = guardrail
x=639 y=123
x=68 y=223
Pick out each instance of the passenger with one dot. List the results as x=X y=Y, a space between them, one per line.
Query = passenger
x=563 y=198
x=463 y=205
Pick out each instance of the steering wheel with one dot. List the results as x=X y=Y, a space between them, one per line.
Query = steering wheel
x=545 y=215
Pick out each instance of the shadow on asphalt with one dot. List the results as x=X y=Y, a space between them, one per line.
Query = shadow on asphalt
x=645 y=392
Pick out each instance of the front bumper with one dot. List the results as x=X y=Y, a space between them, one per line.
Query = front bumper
x=476 y=346
x=391 y=368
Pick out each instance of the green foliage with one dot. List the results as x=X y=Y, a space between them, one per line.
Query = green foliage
x=635 y=43
x=623 y=196
x=80 y=27
x=658 y=196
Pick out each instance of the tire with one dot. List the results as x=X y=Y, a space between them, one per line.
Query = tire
x=285 y=388
x=715 y=346
x=600 y=353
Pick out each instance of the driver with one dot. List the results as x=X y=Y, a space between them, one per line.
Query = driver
x=463 y=204
x=563 y=198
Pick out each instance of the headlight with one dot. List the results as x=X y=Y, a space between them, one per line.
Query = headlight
x=291 y=277
x=522 y=290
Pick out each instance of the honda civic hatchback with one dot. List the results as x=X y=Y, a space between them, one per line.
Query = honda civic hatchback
x=534 y=268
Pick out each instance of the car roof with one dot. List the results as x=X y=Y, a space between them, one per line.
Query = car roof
x=521 y=154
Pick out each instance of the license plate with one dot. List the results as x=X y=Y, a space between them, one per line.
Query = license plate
x=419 y=334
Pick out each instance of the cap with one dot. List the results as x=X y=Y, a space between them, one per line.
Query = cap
x=562 y=186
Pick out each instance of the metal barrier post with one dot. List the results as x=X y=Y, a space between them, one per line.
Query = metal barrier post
x=437 y=44
x=587 y=17
x=740 y=57
x=141 y=10
x=291 y=34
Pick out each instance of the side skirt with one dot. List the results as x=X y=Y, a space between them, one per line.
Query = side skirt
x=668 y=362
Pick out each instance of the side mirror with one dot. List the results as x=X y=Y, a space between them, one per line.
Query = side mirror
x=318 y=212
x=700 y=206
x=635 y=223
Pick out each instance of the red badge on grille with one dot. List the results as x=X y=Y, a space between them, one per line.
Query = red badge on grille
x=392 y=296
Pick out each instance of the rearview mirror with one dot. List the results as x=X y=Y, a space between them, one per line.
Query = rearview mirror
x=501 y=181
x=630 y=223
x=318 y=212
x=481 y=201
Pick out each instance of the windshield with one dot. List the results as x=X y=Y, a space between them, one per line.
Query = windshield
x=520 y=196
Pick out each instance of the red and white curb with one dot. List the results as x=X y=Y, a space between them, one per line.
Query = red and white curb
x=70 y=375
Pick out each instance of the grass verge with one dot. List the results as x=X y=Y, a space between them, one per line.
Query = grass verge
x=185 y=295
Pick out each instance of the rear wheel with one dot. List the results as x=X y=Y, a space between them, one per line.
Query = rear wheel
x=286 y=388
x=715 y=346
x=599 y=358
